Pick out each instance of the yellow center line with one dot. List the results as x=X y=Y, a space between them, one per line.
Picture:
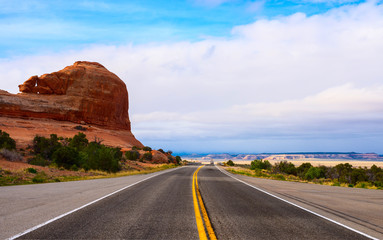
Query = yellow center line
x=199 y=219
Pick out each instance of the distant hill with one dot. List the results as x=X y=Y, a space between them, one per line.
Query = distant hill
x=288 y=156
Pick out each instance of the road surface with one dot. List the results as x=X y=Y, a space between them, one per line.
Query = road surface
x=163 y=207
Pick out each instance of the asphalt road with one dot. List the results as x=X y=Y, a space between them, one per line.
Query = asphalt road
x=159 y=208
x=162 y=208
x=238 y=211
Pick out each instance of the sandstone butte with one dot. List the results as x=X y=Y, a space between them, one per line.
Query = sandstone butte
x=85 y=94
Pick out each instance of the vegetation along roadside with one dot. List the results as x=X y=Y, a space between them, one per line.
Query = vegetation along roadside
x=57 y=159
x=344 y=174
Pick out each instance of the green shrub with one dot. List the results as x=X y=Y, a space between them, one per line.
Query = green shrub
x=80 y=128
x=46 y=146
x=40 y=178
x=260 y=164
x=285 y=167
x=362 y=185
x=136 y=148
x=79 y=141
x=302 y=169
x=147 y=149
x=103 y=158
x=313 y=173
x=74 y=168
x=6 y=141
x=344 y=171
x=132 y=155
x=147 y=156
x=280 y=177
x=178 y=160
x=31 y=170
x=161 y=150
x=66 y=157
x=230 y=163
x=358 y=175
x=39 y=161
x=337 y=184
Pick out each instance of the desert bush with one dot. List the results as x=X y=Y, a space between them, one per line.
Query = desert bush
x=230 y=163
x=40 y=177
x=6 y=141
x=80 y=128
x=358 y=175
x=285 y=167
x=260 y=164
x=79 y=141
x=31 y=170
x=103 y=158
x=38 y=160
x=280 y=177
x=313 y=173
x=10 y=155
x=136 y=148
x=132 y=155
x=161 y=150
x=344 y=171
x=74 y=167
x=362 y=185
x=302 y=169
x=46 y=146
x=147 y=149
x=178 y=160
x=66 y=157
x=147 y=156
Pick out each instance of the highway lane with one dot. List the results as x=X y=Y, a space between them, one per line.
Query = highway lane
x=238 y=211
x=25 y=206
x=158 y=208
x=162 y=208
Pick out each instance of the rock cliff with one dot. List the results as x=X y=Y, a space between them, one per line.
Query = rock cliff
x=85 y=92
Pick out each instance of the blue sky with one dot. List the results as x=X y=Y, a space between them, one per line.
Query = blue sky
x=30 y=27
x=218 y=75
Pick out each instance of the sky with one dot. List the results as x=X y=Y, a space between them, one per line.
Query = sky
x=213 y=76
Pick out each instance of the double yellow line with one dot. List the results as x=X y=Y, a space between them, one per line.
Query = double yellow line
x=197 y=199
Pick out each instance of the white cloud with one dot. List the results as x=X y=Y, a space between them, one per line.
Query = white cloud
x=294 y=77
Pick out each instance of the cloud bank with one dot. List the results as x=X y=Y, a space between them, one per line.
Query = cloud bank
x=294 y=83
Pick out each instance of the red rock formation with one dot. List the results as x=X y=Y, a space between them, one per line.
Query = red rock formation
x=85 y=92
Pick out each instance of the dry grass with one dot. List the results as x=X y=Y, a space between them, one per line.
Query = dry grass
x=285 y=177
x=16 y=173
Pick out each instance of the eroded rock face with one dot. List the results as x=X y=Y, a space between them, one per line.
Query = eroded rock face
x=83 y=92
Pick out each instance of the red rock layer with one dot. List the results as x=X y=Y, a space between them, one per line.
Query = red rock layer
x=85 y=92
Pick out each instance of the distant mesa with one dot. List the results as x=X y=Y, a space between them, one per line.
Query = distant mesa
x=83 y=93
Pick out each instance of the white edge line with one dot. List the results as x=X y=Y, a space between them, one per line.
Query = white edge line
x=75 y=210
x=284 y=200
